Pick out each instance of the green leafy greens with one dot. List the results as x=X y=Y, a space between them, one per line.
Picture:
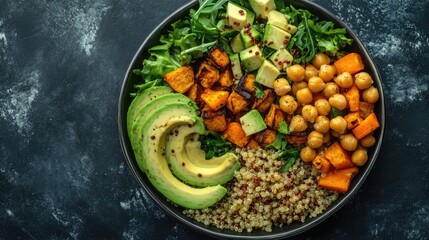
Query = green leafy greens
x=287 y=153
x=215 y=145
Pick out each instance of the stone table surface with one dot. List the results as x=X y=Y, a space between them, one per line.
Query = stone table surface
x=62 y=172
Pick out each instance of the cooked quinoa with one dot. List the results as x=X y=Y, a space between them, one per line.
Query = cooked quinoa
x=259 y=196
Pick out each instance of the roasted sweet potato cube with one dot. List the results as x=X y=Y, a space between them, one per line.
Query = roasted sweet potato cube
x=214 y=120
x=365 y=109
x=181 y=79
x=353 y=119
x=297 y=138
x=338 y=156
x=253 y=144
x=235 y=134
x=207 y=75
x=269 y=118
x=264 y=103
x=338 y=180
x=219 y=57
x=215 y=99
x=236 y=102
x=226 y=78
x=322 y=164
x=195 y=92
x=266 y=137
x=278 y=118
x=247 y=83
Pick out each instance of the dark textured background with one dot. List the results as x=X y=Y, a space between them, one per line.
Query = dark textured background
x=62 y=173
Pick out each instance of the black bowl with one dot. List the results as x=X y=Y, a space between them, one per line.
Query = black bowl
x=278 y=232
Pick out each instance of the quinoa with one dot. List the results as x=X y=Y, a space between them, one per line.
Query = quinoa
x=260 y=197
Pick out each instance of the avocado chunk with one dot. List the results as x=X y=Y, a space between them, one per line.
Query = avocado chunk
x=275 y=37
x=277 y=19
x=281 y=59
x=184 y=168
x=236 y=66
x=262 y=7
x=267 y=73
x=145 y=111
x=141 y=100
x=152 y=149
x=252 y=122
x=291 y=29
x=249 y=36
x=238 y=16
x=251 y=58
x=237 y=44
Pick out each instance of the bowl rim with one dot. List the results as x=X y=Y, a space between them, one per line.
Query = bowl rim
x=335 y=206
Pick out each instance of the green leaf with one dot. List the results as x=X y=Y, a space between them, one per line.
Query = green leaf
x=259 y=91
x=336 y=112
x=283 y=127
x=215 y=145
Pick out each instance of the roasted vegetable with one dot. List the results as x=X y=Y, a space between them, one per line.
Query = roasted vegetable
x=181 y=79
x=322 y=164
x=365 y=109
x=235 y=134
x=353 y=119
x=247 y=83
x=253 y=144
x=352 y=96
x=366 y=127
x=338 y=156
x=266 y=137
x=264 y=103
x=351 y=63
x=214 y=120
x=195 y=92
x=338 y=180
x=236 y=102
x=207 y=75
x=219 y=58
x=215 y=99
x=226 y=78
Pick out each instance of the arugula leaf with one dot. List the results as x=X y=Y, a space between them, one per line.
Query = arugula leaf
x=283 y=127
x=215 y=145
x=259 y=91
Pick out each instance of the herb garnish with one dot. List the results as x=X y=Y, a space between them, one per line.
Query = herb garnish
x=215 y=145
x=287 y=153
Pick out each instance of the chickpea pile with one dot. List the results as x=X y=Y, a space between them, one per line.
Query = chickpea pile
x=314 y=90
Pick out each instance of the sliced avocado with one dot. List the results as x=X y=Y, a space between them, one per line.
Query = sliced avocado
x=249 y=36
x=252 y=122
x=281 y=59
x=267 y=73
x=142 y=99
x=146 y=110
x=251 y=58
x=275 y=37
x=262 y=7
x=237 y=44
x=291 y=29
x=184 y=168
x=236 y=66
x=152 y=148
x=277 y=19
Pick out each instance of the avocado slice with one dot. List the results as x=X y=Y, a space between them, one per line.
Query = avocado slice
x=152 y=149
x=141 y=100
x=184 y=168
x=144 y=112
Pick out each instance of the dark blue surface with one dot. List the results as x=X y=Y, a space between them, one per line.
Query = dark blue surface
x=62 y=172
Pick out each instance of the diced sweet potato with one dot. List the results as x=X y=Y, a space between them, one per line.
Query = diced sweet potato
x=351 y=63
x=367 y=126
x=352 y=96
x=365 y=109
x=353 y=119
x=214 y=120
x=207 y=75
x=181 y=79
x=235 y=134
x=322 y=164
x=215 y=99
x=338 y=180
x=236 y=102
x=247 y=83
x=269 y=118
x=226 y=78
x=264 y=103
x=266 y=137
x=278 y=118
x=297 y=138
x=338 y=156
x=219 y=57
x=252 y=144
x=195 y=92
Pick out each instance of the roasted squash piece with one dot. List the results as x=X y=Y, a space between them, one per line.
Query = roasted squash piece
x=195 y=92
x=353 y=119
x=181 y=79
x=236 y=102
x=214 y=120
x=252 y=144
x=219 y=57
x=266 y=137
x=278 y=118
x=235 y=134
x=264 y=103
x=338 y=156
x=215 y=99
x=352 y=96
x=226 y=78
x=297 y=138
x=207 y=75
x=247 y=83
x=365 y=109
x=367 y=126
x=269 y=118
x=322 y=164
x=338 y=180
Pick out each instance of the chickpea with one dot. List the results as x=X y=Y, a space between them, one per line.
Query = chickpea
x=335 y=134
x=338 y=124
x=304 y=96
x=310 y=71
x=315 y=139
x=316 y=84
x=281 y=86
x=370 y=95
x=327 y=137
x=296 y=73
x=331 y=88
x=349 y=142
x=367 y=141
x=323 y=107
x=288 y=104
x=322 y=124
x=320 y=59
x=297 y=86
x=307 y=154
x=360 y=157
x=363 y=80
x=327 y=72
x=344 y=80
x=309 y=113
x=298 y=124
x=338 y=101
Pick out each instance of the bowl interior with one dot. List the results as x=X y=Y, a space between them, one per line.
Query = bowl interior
x=124 y=101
